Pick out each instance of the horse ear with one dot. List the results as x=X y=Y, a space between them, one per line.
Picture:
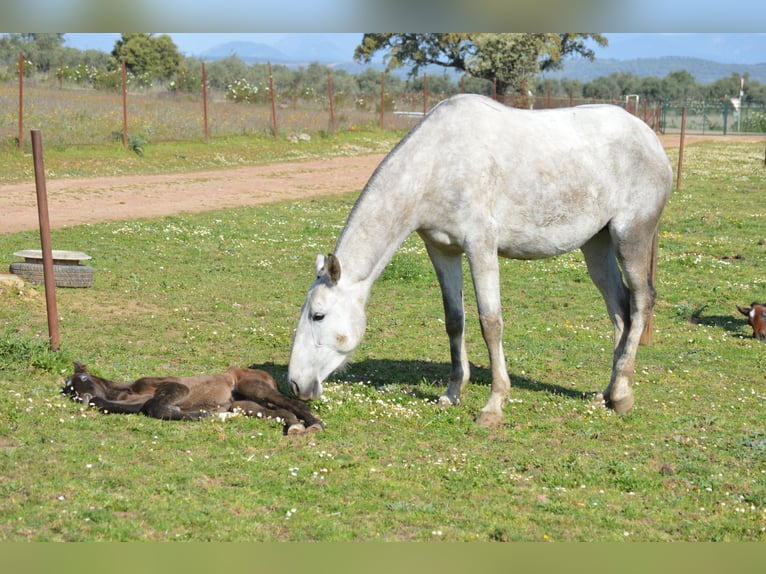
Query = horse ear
x=332 y=267
x=80 y=368
x=319 y=264
x=744 y=310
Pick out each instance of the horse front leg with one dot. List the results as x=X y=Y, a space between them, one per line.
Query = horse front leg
x=486 y=279
x=449 y=271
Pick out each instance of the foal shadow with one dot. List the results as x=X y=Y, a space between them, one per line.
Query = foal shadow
x=427 y=379
x=731 y=323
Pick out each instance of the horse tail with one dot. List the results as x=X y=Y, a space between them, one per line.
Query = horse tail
x=646 y=335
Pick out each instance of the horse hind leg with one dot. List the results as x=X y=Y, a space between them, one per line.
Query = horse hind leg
x=636 y=264
x=449 y=272
x=164 y=404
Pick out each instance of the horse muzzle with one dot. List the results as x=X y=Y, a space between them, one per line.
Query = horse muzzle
x=309 y=392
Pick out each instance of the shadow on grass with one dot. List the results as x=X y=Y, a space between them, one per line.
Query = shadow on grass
x=423 y=376
x=732 y=324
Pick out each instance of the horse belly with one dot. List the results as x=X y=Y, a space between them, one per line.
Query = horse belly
x=208 y=392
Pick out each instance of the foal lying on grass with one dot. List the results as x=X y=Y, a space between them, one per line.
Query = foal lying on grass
x=251 y=391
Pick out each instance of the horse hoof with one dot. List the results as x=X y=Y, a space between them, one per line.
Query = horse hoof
x=297 y=428
x=445 y=401
x=621 y=406
x=489 y=420
x=316 y=427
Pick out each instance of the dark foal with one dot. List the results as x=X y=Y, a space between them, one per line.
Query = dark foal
x=251 y=391
x=756 y=315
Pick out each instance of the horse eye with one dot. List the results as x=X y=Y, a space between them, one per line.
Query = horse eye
x=317 y=317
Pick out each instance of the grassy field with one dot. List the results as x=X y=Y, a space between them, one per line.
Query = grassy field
x=198 y=293
x=78 y=117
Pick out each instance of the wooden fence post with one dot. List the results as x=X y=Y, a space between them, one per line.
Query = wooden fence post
x=21 y=101
x=45 y=240
x=204 y=101
x=124 y=105
x=382 y=96
x=273 y=103
x=329 y=94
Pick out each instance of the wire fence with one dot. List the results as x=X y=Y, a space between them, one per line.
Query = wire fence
x=69 y=114
x=716 y=118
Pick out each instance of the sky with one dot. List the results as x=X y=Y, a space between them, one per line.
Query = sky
x=377 y=16
x=730 y=48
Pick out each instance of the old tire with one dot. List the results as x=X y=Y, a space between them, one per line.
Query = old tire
x=64 y=275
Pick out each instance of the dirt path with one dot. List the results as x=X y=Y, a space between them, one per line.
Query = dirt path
x=96 y=199
x=91 y=200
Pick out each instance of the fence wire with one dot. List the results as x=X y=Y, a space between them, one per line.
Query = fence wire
x=72 y=115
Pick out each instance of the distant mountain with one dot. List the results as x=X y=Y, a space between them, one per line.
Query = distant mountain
x=337 y=50
x=247 y=52
x=320 y=47
x=704 y=71
x=292 y=50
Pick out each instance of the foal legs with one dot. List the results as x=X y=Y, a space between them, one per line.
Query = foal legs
x=258 y=396
x=164 y=404
x=449 y=271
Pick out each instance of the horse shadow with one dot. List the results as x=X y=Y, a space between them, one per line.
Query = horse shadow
x=426 y=379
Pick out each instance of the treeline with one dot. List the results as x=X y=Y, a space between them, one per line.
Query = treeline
x=154 y=62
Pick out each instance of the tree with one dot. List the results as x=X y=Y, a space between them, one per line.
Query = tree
x=43 y=50
x=154 y=57
x=510 y=59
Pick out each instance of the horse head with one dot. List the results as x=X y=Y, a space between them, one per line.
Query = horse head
x=756 y=315
x=331 y=326
x=81 y=383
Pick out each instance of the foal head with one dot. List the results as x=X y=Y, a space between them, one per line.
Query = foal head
x=756 y=315
x=82 y=383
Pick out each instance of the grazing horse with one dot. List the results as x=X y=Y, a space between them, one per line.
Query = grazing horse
x=251 y=391
x=756 y=315
x=479 y=178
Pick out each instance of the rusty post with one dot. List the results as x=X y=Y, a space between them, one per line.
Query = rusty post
x=273 y=104
x=549 y=95
x=204 y=101
x=681 y=149
x=425 y=93
x=45 y=240
x=382 y=96
x=124 y=105
x=21 y=101
x=329 y=95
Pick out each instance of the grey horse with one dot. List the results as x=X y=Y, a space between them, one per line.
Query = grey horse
x=475 y=177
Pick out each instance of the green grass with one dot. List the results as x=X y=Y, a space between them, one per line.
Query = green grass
x=196 y=293
x=63 y=161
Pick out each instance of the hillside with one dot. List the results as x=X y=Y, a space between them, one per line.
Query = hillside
x=321 y=48
x=704 y=71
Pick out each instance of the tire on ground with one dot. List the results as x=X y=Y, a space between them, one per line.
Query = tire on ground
x=64 y=275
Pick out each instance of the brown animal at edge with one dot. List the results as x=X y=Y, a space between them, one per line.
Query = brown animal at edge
x=756 y=315
x=253 y=392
